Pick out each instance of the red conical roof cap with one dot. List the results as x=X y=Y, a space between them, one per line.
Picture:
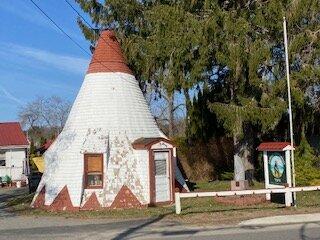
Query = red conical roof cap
x=108 y=56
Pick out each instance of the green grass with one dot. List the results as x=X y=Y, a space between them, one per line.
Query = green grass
x=120 y=214
x=204 y=210
x=221 y=186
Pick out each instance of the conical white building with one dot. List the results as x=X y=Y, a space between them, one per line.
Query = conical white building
x=111 y=153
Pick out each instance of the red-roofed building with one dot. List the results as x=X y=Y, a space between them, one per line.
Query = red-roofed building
x=14 y=146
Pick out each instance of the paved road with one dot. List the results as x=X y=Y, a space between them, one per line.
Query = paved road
x=24 y=227
x=41 y=228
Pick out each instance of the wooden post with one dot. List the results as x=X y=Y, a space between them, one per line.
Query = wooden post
x=266 y=174
x=288 y=197
x=177 y=203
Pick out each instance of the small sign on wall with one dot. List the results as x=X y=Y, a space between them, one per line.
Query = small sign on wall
x=277 y=168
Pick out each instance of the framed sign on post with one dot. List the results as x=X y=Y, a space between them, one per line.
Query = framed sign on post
x=277 y=167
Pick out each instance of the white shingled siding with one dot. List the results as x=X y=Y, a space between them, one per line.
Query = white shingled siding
x=143 y=169
x=131 y=171
x=15 y=163
x=109 y=113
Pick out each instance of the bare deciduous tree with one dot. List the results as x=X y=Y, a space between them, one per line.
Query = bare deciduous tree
x=168 y=111
x=49 y=112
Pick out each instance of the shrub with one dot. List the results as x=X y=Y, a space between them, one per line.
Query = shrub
x=305 y=165
x=6 y=179
x=226 y=176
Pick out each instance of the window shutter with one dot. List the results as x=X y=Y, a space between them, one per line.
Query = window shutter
x=94 y=163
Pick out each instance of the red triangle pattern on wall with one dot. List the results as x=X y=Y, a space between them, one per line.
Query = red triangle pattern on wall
x=63 y=202
x=125 y=199
x=92 y=203
x=39 y=201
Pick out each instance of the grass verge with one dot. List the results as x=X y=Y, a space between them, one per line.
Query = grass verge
x=200 y=211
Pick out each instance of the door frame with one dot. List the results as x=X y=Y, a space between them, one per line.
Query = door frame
x=152 y=175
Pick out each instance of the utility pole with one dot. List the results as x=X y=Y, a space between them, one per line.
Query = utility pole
x=290 y=110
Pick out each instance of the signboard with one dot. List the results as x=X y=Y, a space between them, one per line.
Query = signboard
x=277 y=168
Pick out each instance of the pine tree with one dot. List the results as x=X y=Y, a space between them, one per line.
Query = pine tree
x=236 y=47
x=249 y=43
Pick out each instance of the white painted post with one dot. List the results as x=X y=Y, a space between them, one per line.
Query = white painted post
x=288 y=195
x=177 y=203
x=266 y=174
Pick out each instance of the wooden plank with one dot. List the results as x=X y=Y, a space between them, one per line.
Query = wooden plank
x=239 y=193
x=248 y=192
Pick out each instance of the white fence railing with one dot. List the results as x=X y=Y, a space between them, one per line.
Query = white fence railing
x=286 y=190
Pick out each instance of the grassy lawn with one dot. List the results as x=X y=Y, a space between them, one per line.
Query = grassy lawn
x=201 y=211
x=221 y=186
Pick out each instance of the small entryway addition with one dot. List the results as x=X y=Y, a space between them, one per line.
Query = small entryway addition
x=162 y=162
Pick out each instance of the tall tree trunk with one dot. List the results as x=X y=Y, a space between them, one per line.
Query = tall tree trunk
x=171 y=114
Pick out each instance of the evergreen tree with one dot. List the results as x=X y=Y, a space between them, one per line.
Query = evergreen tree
x=249 y=44
x=233 y=47
x=164 y=42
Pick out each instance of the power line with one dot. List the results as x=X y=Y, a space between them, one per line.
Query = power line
x=75 y=42
x=51 y=20
x=90 y=26
x=79 y=14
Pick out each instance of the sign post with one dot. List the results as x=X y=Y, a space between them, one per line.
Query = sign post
x=289 y=103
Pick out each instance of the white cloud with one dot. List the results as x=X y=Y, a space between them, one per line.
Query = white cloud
x=47 y=59
x=10 y=96
x=25 y=11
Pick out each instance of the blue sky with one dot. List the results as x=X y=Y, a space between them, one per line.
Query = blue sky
x=36 y=59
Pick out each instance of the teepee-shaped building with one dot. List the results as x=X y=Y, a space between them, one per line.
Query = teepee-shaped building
x=111 y=153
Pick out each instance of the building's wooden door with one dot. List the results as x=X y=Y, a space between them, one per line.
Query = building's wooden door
x=162 y=176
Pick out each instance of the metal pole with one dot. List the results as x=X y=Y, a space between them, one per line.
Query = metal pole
x=290 y=110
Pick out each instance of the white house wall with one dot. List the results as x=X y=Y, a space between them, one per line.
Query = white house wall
x=15 y=159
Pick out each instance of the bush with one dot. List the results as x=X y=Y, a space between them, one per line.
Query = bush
x=6 y=179
x=305 y=165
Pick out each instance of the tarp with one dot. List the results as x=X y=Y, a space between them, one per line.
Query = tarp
x=39 y=162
